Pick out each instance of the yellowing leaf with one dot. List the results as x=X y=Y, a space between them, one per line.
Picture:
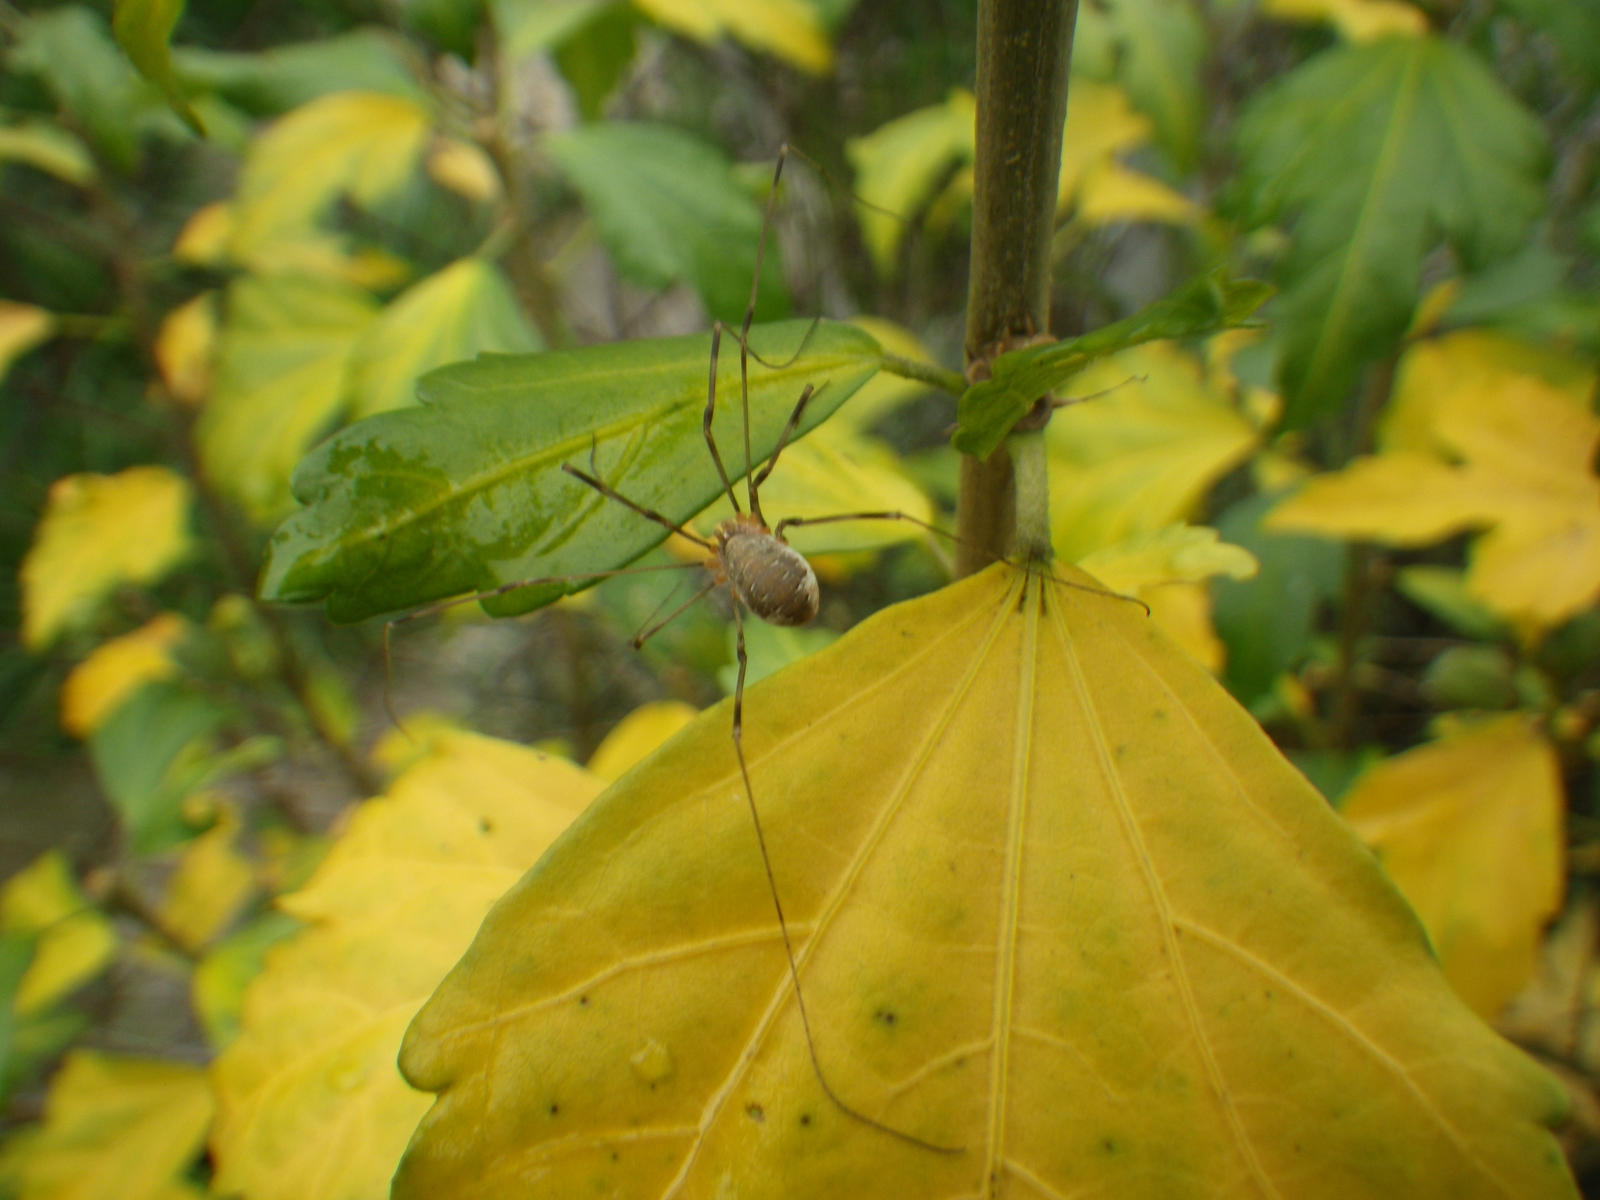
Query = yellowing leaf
x=1470 y=827
x=786 y=28
x=1482 y=435
x=22 y=327
x=1059 y=906
x=1142 y=455
x=212 y=882
x=311 y=1104
x=123 y=1127
x=457 y=313
x=360 y=144
x=280 y=382
x=97 y=533
x=465 y=169
x=1356 y=20
x=1100 y=123
x=48 y=147
x=636 y=735
x=1110 y=193
x=897 y=164
x=185 y=347
x=74 y=939
x=116 y=669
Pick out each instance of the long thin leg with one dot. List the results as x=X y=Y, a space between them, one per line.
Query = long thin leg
x=783 y=925
x=645 y=634
x=744 y=332
x=783 y=439
x=611 y=493
x=711 y=408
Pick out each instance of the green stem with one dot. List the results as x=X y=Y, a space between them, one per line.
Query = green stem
x=931 y=374
x=1024 y=51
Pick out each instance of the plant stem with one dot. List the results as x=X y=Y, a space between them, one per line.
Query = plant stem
x=931 y=374
x=1024 y=51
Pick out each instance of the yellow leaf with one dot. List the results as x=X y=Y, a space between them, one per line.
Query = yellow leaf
x=1142 y=455
x=1110 y=193
x=1356 y=20
x=788 y=29
x=465 y=169
x=281 y=382
x=1470 y=827
x=884 y=392
x=75 y=940
x=204 y=238
x=48 y=147
x=185 y=347
x=212 y=882
x=123 y=1127
x=310 y=1102
x=454 y=314
x=118 y=668
x=97 y=533
x=1100 y=123
x=897 y=164
x=1483 y=434
x=360 y=144
x=22 y=327
x=636 y=735
x=1057 y=902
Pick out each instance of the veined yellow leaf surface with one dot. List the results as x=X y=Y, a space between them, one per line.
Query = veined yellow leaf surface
x=311 y=1106
x=123 y=1127
x=636 y=735
x=788 y=29
x=118 y=668
x=1471 y=828
x=1482 y=434
x=75 y=939
x=1059 y=906
x=98 y=532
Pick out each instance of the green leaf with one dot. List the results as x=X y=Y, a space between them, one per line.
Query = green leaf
x=220 y=978
x=271 y=81
x=1572 y=29
x=668 y=208
x=70 y=50
x=466 y=492
x=1154 y=49
x=988 y=409
x=1055 y=900
x=143 y=28
x=463 y=310
x=1375 y=153
x=149 y=755
x=281 y=382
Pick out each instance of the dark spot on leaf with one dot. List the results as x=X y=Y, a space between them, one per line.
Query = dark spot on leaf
x=485 y=825
x=583 y=1001
x=615 y=1157
x=555 y=1110
x=885 y=1016
x=805 y=1118
x=1109 y=1145
x=755 y=1112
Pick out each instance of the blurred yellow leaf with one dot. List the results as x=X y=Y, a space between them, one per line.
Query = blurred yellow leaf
x=884 y=391
x=465 y=169
x=118 y=668
x=897 y=165
x=281 y=382
x=1110 y=193
x=1471 y=828
x=454 y=314
x=1140 y=456
x=1057 y=901
x=311 y=1105
x=118 y=1127
x=97 y=533
x=788 y=29
x=74 y=939
x=22 y=327
x=186 y=346
x=1101 y=122
x=360 y=144
x=46 y=146
x=1356 y=20
x=1480 y=436
x=636 y=735
x=212 y=882
x=203 y=240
